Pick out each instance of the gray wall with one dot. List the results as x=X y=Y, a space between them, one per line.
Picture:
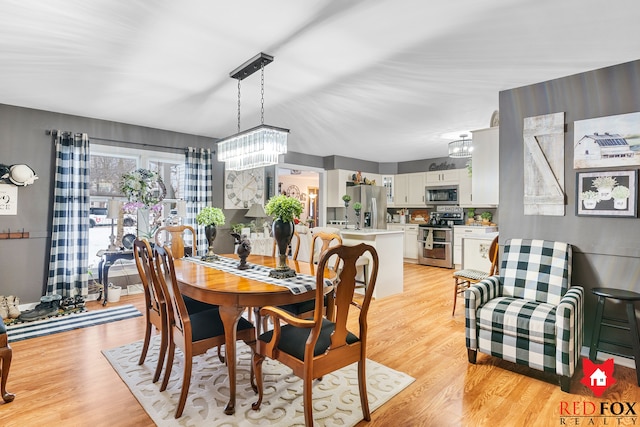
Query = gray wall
x=606 y=250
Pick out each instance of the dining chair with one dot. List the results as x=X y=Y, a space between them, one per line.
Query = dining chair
x=176 y=239
x=317 y=346
x=466 y=277
x=193 y=333
x=6 y=353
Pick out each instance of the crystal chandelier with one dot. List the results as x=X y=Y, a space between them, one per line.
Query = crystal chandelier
x=258 y=146
x=461 y=148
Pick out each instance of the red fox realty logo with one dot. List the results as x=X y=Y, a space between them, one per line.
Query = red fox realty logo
x=597 y=377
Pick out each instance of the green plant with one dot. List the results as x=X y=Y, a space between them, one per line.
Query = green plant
x=487 y=216
x=471 y=213
x=284 y=207
x=589 y=195
x=346 y=198
x=620 y=192
x=604 y=182
x=210 y=216
x=143 y=186
x=357 y=206
x=237 y=228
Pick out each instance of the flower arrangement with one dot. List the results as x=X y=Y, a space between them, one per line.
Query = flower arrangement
x=210 y=216
x=143 y=186
x=284 y=207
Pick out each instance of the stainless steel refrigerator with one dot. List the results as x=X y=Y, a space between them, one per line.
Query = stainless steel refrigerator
x=374 y=206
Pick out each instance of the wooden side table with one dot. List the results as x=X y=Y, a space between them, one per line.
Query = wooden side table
x=108 y=259
x=630 y=324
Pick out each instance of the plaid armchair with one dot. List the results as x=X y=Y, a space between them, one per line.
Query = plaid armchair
x=529 y=314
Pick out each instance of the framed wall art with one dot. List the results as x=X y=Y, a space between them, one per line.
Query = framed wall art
x=606 y=142
x=610 y=193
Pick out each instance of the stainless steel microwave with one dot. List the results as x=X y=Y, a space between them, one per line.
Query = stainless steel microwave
x=442 y=195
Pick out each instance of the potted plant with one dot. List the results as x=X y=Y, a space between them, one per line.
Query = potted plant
x=620 y=194
x=605 y=185
x=357 y=206
x=589 y=199
x=145 y=191
x=486 y=217
x=210 y=217
x=283 y=209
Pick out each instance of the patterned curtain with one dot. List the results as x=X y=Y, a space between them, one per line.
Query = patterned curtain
x=68 y=260
x=198 y=187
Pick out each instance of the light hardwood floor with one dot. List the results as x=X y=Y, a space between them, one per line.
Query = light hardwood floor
x=63 y=379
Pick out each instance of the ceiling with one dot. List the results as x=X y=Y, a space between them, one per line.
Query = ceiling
x=380 y=80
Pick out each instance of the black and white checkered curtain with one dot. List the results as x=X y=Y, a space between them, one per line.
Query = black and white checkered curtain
x=69 y=256
x=198 y=189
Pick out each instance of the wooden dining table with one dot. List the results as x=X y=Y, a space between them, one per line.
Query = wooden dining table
x=234 y=293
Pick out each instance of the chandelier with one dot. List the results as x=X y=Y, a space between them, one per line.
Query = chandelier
x=461 y=148
x=258 y=146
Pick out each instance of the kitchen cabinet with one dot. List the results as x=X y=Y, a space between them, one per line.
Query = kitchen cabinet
x=443 y=177
x=464 y=188
x=461 y=231
x=337 y=186
x=485 y=163
x=409 y=189
x=410 y=239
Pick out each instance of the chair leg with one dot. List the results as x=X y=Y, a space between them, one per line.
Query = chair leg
x=220 y=356
x=362 y=382
x=5 y=354
x=161 y=355
x=171 y=350
x=186 y=382
x=145 y=345
x=565 y=383
x=472 y=354
x=257 y=370
x=455 y=297
x=307 y=400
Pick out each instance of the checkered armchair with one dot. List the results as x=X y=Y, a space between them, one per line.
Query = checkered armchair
x=529 y=314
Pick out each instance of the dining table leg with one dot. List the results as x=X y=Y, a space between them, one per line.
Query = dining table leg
x=230 y=315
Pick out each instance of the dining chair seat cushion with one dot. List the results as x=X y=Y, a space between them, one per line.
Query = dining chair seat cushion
x=471 y=274
x=293 y=339
x=195 y=306
x=302 y=307
x=207 y=324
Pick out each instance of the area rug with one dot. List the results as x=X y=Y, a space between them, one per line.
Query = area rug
x=335 y=399
x=53 y=325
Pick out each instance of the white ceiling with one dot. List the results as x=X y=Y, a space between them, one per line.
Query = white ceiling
x=379 y=80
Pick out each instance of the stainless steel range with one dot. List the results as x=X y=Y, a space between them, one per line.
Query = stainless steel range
x=435 y=239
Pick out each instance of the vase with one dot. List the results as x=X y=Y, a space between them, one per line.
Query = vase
x=620 y=203
x=604 y=193
x=282 y=234
x=590 y=203
x=144 y=223
x=210 y=232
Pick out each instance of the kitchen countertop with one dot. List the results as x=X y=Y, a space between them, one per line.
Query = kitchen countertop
x=368 y=231
x=485 y=236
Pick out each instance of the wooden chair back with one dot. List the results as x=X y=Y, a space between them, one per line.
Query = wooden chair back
x=328 y=345
x=327 y=240
x=494 y=249
x=176 y=240
x=155 y=302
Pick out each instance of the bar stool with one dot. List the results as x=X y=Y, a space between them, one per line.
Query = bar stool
x=631 y=324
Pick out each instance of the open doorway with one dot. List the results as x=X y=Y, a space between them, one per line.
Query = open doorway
x=305 y=185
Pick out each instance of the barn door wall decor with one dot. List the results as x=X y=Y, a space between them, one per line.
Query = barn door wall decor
x=544 y=165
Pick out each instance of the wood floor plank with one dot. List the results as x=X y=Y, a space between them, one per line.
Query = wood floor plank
x=63 y=379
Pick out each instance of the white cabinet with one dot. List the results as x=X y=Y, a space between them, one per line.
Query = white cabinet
x=464 y=188
x=485 y=162
x=409 y=189
x=411 y=242
x=459 y=232
x=401 y=185
x=337 y=186
x=444 y=177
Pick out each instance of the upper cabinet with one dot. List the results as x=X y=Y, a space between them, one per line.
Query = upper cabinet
x=485 y=163
x=443 y=177
x=464 y=188
x=409 y=189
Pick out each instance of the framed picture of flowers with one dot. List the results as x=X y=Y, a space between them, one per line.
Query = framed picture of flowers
x=611 y=193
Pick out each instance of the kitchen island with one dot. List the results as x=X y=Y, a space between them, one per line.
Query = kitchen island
x=389 y=245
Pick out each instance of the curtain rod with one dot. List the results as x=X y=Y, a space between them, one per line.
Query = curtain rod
x=141 y=144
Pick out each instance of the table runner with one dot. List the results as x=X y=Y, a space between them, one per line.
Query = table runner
x=297 y=285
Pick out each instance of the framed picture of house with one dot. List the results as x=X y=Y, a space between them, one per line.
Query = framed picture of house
x=607 y=193
x=607 y=142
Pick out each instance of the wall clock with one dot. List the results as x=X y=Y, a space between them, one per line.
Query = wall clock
x=293 y=191
x=243 y=188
